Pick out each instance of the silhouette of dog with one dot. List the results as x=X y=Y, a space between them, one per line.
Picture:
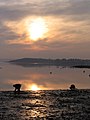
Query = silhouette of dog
x=17 y=88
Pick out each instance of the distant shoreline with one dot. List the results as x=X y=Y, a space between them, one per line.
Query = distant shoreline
x=38 y=62
x=82 y=66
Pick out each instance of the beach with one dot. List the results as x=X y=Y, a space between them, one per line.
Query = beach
x=45 y=105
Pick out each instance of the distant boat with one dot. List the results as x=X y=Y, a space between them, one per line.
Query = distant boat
x=50 y=72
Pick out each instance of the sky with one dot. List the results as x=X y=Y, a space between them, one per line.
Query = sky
x=44 y=28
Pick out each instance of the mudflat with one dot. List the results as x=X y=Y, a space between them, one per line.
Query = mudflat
x=45 y=105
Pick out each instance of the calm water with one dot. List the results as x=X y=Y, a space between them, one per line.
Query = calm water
x=40 y=77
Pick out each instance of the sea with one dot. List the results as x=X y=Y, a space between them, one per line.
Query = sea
x=42 y=78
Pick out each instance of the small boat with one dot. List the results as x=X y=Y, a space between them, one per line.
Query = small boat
x=50 y=72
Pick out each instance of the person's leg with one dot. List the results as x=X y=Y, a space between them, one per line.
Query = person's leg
x=18 y=90
x=15 y=91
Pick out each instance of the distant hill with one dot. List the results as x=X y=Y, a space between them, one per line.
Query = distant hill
x=31 y=62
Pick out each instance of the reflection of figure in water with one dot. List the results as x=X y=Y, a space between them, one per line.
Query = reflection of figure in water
x=17 y=88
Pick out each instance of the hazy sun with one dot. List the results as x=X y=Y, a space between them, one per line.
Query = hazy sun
x=37 y=28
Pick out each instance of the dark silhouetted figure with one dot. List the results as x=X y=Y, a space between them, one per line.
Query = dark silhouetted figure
x=17 y=88
x=83 y=71
x=72 y=87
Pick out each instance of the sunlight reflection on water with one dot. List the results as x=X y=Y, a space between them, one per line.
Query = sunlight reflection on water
x=40 y=77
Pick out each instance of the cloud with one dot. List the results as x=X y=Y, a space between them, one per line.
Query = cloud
x=68 y=20
x=21 y=9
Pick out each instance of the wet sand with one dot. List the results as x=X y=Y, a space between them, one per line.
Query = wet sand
x=45 y=105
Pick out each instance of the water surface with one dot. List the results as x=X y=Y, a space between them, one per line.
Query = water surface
x=61 y=78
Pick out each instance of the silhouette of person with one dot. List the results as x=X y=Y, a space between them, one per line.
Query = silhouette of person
x=72 y=87
x=17 y=88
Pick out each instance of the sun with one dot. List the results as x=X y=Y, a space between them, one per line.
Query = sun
x=37 y=28
x=34 y=87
